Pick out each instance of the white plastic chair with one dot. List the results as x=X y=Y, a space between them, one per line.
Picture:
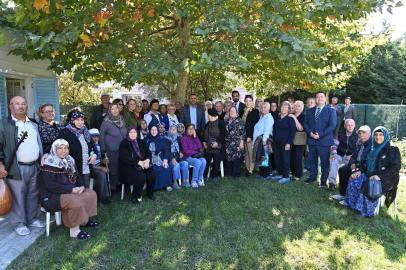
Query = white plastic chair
x=221 y=169
x=58 y=220
x=190 y=166
x=91 y=183
x=122 y=190
x=381 y=203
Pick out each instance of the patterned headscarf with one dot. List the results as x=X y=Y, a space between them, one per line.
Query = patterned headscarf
x=145 y=131
x=180 y=133
x=117 y=120
x=67 y=163
x=173 y=138
x=134 y=142
x=77 y=131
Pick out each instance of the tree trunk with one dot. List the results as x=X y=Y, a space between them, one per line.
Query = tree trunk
x=184 y=35
x=327 y=97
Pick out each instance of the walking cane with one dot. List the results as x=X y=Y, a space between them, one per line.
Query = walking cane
x=108 y=175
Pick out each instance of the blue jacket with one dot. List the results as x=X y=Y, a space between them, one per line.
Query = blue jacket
x=325 y=126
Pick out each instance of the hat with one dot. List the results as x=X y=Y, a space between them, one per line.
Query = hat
x=212 y=112
x=364 y=128
x=104 y=94
x=94 y=132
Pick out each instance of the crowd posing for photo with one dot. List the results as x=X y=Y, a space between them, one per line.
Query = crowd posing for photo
x=155 y=147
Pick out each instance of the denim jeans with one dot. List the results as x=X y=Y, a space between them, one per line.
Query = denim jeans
x=199 y=165
x=176 y=170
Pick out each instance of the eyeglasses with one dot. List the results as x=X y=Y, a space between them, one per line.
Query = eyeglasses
x=18 y=104
x=49 y=112
x=120 y=104
x=139 y=106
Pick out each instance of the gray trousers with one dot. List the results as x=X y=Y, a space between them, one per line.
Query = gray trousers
x=113 y=166
x=25 y=196
x=334 y=166
x=100 y=179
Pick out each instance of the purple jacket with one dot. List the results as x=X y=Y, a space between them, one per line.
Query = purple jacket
x=190 y=145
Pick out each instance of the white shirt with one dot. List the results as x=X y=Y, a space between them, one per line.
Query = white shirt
x=29 y=150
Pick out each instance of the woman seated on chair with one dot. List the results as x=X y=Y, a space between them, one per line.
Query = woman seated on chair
x=191 y=147
x=383 y=163
x=134 y=165
x=176 y=161
x=61 y=188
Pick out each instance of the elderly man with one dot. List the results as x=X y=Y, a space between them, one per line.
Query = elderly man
x=22 y=175
x=344 y=146
x=258 y=104
x=358 y=158
x=100 y=111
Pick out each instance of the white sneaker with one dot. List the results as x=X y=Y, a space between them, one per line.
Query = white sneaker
x=200 y=183
x=168 y=188
x=338 y=197
x=38 y=224
x=23 y=231
x=194 y=184
x=344 y=203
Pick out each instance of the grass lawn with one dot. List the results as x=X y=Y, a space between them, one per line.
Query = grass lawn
x=230 y=224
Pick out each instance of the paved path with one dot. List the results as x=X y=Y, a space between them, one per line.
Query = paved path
x=12 y=244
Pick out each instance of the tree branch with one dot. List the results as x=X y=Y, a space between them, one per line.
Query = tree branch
x=161 y=30
x=167 y=17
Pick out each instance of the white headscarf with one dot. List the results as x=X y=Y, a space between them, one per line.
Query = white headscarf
x=67 y=163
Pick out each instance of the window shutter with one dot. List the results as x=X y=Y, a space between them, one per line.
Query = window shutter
x=46 y=91
x=3 y=96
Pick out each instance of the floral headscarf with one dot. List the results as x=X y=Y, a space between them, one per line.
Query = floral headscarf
x=77 y=131
x=145 y=131
x=173 y=138
x=67 y=163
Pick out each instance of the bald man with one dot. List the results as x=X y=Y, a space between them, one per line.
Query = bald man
x=343 y=148
x=22 y=175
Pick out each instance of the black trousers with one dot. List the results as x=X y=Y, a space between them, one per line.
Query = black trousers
x=216 y=164
x=272 y=158
x=264 y=171
x=234 y=167
x=344 y=172
x=142 y=177
x=282 y=159
x=296 y=160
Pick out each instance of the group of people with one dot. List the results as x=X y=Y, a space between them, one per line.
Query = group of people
x=168 y=147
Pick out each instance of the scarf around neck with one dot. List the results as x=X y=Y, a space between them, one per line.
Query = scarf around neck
x=116 y=120
x=78 y=131
x=134 y=143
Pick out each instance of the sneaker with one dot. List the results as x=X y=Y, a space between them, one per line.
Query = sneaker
x=338 y=197
x=274 y=172
x=38 y=224
x=168 y=188
x=186 y=185
x=194 y=184
x=206 y=179
x=276 y=177
x=308 y=181
x=264 y=178
x=344 y=203
x=284 y=180
x=105 y=201
x=323 y=185
x=217 y=178
x=304 y=170
x=22 y=231
x=296 y=179
x=200 y=184
x=176 y=186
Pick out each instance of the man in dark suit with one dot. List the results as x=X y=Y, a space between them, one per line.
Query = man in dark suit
x=236 y=102
x=193 y=113
x=319 y=125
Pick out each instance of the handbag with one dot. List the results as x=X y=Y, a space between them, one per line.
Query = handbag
x=265 y=163
x=300 y=138
x=198 y=155
x=372 y=189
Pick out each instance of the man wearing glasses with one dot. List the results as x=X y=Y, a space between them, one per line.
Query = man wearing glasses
x=22 y=175
x=100 y=111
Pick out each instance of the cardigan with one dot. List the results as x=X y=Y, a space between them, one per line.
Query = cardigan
x=250 y=122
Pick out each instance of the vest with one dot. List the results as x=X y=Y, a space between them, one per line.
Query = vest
x=347 y=143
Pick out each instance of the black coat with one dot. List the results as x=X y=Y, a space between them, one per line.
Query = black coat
x=128 y=159
x=354 y=156
x=387 y=167
x=50 y=186
x=75 y=149
x=221 y=139
x=250 y=122
x=347 y=144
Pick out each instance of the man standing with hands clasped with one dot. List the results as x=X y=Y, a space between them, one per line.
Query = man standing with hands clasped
x=319 y=125
x=22 y=176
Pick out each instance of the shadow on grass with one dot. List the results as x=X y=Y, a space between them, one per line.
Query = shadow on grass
x=229 y=224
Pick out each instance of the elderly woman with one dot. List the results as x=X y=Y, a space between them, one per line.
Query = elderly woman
x=383 y=163
x=144 y=132
x=227 y=105
x=235 y=137
x=296 y=156
x=176 y=162
x=208 y=105
x=181 y=129
x=134 y=165
x=48 y=129
x=61 y=188
x=284 y=130
x=250 y=118
x=258 y=104
x=130 y=113
x=162 y=109
x=82 y=148
x=160 y=157
x=264 y=127
x=219 y=108
x=214 y=138
x=170 y=119
x=191 y=147
x=112 y=132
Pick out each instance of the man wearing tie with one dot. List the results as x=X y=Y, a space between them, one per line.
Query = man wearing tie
x=319 y=124
x=236 y=102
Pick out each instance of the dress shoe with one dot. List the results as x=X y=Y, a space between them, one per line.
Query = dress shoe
x=152 y=198
x=135 y=201
x=308 y=181
x=331 y=187
x=105 y=201
x=323 y=185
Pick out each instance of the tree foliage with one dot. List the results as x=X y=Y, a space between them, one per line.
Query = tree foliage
x=305 y=44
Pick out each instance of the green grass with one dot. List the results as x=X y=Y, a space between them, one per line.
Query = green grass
x=230 y=224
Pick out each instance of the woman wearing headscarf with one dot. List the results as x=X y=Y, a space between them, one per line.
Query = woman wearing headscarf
x=162 y=130
x=214 y=138
x=181 y=129
x=191 y=147
x=170 y=119
x=176 y=162
x=81 y=145
x=134 y=152
x=61 y=188
x=383 y=163
x=234 y=143
x=160 y=157
x=143 y=129
x=112 y=132
x=48 y=129
x=208 y=105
